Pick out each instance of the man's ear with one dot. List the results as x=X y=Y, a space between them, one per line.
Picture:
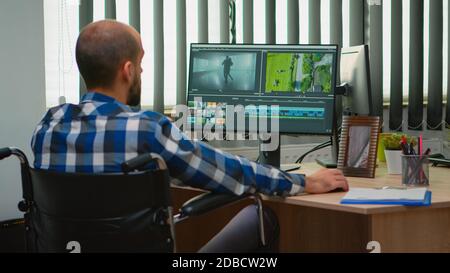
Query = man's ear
x=128 y=71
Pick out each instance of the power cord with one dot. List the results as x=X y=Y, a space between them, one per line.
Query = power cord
x=318 y=147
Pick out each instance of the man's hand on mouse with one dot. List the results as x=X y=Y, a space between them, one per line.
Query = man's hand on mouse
x=326 y=180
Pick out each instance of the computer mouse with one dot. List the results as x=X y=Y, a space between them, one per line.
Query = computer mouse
x=338 y=190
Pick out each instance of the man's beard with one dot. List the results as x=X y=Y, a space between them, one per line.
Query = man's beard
x=134 y=94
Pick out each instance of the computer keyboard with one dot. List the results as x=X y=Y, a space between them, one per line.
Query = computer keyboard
x=290 y=167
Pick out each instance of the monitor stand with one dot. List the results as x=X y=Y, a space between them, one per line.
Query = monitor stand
x=331 y=163
x=270 y=157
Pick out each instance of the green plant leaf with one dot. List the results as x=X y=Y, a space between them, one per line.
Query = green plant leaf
x=393 y=141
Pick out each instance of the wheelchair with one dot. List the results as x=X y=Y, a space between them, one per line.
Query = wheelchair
x=108 y=212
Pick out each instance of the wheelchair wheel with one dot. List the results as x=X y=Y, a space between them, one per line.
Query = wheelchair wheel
x=12 y=236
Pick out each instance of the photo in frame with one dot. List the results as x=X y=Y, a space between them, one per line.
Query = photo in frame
x=358 y=146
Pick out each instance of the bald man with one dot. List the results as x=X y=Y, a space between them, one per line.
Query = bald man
x=109 y=56
x=102 y=132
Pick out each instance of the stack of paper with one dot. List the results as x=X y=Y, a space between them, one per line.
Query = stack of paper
x=388 y=196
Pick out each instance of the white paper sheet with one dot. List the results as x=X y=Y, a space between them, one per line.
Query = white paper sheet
x=386 y=194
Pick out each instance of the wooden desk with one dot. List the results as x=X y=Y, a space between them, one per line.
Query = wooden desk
x=319 y=223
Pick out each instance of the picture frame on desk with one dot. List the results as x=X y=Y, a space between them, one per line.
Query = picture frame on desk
x=358 y=146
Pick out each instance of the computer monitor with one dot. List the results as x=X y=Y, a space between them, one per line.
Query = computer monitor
x=355 y=88
x=355 y=71
x=300 y=79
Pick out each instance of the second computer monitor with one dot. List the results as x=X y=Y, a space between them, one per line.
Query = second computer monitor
x=299 y=79
x=355 y=71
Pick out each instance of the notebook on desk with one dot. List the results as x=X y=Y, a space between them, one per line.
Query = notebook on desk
x=388 y=196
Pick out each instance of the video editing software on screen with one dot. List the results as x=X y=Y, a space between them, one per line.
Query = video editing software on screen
x=299 y=79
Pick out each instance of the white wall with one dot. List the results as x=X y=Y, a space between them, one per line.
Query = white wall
x=22 y=89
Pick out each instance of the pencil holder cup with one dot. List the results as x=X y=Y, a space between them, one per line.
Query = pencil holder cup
x=415 y=172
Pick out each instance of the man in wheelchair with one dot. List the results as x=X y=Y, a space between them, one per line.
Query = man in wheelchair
x=102 y=132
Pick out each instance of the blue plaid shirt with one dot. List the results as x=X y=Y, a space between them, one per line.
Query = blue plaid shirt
x=101 y=133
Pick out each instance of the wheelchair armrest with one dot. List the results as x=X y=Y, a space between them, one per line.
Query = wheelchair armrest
x=207 y=202
x=141 y=161
x=4 y=153
x=136 y=163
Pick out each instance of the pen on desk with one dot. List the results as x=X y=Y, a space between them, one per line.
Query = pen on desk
x=419 y=166
x=404 y=145
x=425 y=156
x=413 y=161
x=419 y=153
x=406 y=151
x=404 y=139
x=404 y=148
x=411 y=148
x=418 y=171
x=420 y=145
x=427 y=153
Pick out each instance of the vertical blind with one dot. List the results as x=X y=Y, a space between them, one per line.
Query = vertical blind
x=292 y=22
x=110 y=9
x=247 y=14
x=270 y=22
x=86 y=16
x=365 y=25
x=415 y=109
x=396 y=85
x=356 y=22
x=158 y=55
x=314 y=22
x=447 y=116
x=374 y=37
x=435 y=75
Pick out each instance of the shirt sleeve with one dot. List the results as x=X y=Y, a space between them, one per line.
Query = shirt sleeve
x=197 y=164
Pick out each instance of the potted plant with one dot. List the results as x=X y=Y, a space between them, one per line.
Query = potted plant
x=393 y=151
